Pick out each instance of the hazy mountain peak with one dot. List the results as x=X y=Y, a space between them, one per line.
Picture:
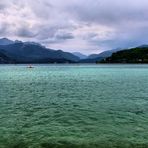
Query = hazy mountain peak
x=33 y=43
x=30 y=52
x=80 y=55
x=143 y=46
x=5 y=41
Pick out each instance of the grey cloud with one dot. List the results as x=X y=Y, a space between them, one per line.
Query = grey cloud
x=54 y=31
x=41 y=8
x=123 y=39
x=3 y=5
x=3 y=30
x=24 y=32
x=58 y=37
x=89 y=24
x=45 y=32
x=64 y=36
x=129 y=19
x=110 y=12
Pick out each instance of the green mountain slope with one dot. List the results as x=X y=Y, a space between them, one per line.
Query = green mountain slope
x=134 y=55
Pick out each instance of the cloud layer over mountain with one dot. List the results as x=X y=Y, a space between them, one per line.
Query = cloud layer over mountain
x=76 y=25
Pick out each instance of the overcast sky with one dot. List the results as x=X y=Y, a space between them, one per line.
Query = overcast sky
x=88 y=26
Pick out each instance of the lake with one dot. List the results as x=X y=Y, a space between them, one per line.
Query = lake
x=74 y=106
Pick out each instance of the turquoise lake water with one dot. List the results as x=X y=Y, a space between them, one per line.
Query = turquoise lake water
x=74 y=106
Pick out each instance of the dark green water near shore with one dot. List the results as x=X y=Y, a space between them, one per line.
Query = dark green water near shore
x=74 y=106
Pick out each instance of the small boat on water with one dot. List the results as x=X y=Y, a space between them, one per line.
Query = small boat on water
x=30 y=66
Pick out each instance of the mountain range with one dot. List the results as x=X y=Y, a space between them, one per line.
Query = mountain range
x=133 y=55
x=93 y=58
x=5 y=41
x=31 y=52
x=80 y=55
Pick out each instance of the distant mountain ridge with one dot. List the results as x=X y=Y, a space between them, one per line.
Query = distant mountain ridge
x=143 y=46
x=5 y=41
x=93 y=58
x=80 y=55
x=133 y=55
x=29 y=52
x=104 y=54
x=4 y=59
